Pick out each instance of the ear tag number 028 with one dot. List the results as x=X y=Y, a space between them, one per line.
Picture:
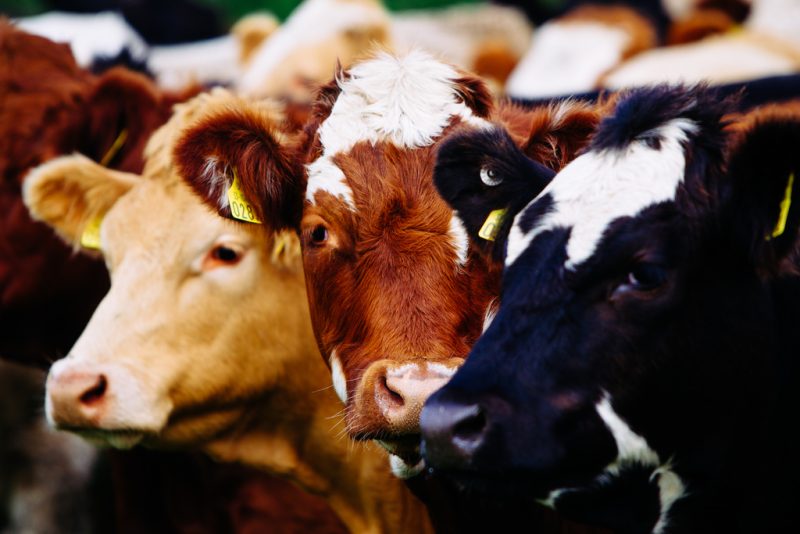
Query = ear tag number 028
x=240 y=207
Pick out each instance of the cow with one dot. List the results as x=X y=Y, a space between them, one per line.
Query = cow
x=397 y=291
x=48 y=293
x=204 y=339
x=640 y=370
x=572 y=53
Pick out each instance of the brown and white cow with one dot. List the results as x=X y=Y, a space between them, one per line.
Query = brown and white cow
x=204 y=340
x=398 y=294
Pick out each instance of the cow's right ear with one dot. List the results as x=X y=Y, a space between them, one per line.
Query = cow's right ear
x=72 y=193
x=487 y=179
x=244 y=142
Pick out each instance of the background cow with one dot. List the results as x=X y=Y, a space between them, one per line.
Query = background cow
x=204 y=339
x=640 y=372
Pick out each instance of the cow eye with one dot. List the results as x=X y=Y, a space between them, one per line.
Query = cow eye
x=319 y=235
x=646 y=277
x=225 y=254
x=489 y=177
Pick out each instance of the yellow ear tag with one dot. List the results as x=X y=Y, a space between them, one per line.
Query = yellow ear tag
x=115 y=148
x=91 y=233
x=786 y=203
x=492 y=224
x=240 y=208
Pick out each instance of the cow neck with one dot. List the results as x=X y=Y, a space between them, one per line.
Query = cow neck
x=301 y=437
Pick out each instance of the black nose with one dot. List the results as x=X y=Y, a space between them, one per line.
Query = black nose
x=451 y=433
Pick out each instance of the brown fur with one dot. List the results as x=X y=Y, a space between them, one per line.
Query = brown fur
x=698 y=26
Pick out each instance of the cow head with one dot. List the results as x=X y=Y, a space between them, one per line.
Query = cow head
x=397 y=291
x=178 y=352
x=637 y=328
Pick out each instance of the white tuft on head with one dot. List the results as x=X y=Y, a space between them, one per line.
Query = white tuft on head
x=601 y=186
x=407 y=101
x=339 y=379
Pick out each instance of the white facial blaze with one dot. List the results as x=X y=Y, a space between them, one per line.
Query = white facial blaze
x=600 y=187
x=339 y=379
x=407 y=101
x=634 y=449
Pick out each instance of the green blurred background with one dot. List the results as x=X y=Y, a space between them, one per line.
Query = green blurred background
x=231 y=10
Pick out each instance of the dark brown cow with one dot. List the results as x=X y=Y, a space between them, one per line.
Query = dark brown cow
x=398 y=293
x=48 y=107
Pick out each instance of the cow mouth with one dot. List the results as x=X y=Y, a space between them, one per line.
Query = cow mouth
x=405 y=456
x=119 y=439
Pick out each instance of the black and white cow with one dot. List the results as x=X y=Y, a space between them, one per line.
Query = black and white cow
x=642 y=370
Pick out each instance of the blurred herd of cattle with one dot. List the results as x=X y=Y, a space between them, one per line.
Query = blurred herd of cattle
x=105 y=93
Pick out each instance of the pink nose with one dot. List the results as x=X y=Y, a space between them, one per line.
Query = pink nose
x=401 y=392
x=77 y=397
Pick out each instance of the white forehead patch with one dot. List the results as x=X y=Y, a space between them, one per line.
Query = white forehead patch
x=325 y=175
x=601 y=186
x=407 y=100
x=339 y=380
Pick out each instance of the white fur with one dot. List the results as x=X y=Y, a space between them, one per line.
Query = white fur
x=491 y=312
x=339 y=379
x=402 y=470
x=567 y=58
x=89 y=36
x=407 y=101
x=634 y=449
x=209 y=61
x=776 y=18
x=717 y=60
x=312 y=22
x=325 y=175
x=599 y=187
x=460 y=239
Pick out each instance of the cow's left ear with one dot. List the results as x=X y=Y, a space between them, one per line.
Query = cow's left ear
x=123 y=109
x=487 y=179
x=241 y=150
x=764 y=167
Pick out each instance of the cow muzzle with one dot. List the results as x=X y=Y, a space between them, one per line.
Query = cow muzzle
x=103 y=403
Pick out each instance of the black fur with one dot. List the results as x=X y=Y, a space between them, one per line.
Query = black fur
x=685 y=317
x=459 y=162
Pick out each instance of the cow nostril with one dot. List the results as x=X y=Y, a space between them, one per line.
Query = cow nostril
x=471 y=428
x=96 y=392
x=389 y=395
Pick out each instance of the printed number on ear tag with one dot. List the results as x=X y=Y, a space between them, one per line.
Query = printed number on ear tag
x=492 y=224
x=91 y=233
x=240 y=208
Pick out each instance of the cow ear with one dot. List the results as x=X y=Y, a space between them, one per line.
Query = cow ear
x=243 y=143
x=487 y=180
x=123 y=109
x=559 y=132
x=72 y=194
x=764 y=167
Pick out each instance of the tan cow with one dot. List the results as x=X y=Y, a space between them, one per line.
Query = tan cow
x=204 y=339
